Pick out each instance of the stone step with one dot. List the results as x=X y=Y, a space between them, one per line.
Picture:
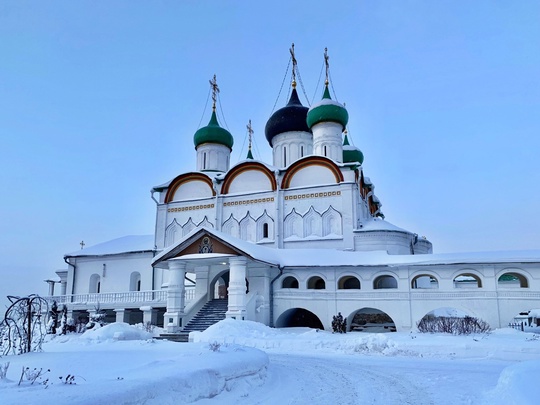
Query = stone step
x=174 y=337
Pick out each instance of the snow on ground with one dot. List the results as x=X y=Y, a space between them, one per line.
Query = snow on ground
x=245 y=362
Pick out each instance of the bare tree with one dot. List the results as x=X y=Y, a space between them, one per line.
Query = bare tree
x=22 y=330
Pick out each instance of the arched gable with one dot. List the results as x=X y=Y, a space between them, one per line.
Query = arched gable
x=190 y=185
x=313 y=170
x=248 y=177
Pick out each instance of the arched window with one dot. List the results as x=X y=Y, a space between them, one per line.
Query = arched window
x=467 y=280
x=302 y=151
x=284 y=156
x=289 y=282
x=384 y=282
x=95 y=284
x=316 y=283
x=265 y=230
x=512 y=280
x=424 y=281
x=204 y=161
x=325 y=153
x=135 y=281
x=348 y=283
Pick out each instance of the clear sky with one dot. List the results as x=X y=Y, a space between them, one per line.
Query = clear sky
x=99 y=102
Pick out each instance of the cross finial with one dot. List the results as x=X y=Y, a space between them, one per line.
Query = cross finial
x=215 y=91
x=326 y=58
x=293 y=57
x=82 y=244
x=250 y=135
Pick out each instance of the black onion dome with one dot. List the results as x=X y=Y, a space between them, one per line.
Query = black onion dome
x=292 y=117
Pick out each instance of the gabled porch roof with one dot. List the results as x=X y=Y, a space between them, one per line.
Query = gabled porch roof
x=223 y=246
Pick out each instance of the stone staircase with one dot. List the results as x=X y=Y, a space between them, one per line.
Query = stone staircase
x=212 y=312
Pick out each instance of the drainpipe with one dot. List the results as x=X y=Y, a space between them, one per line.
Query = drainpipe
x=272 y=295
x=73 y=281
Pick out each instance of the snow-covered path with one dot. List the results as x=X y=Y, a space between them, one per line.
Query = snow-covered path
x=245 y=363
x=358 y=379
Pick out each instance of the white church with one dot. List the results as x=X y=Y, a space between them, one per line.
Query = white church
x=287 y=243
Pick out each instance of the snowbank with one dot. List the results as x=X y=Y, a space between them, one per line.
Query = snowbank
x=254 y=334
x=116 y=331
x=517 y=385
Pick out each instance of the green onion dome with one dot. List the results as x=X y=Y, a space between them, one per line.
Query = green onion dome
x=351 y=153
x=213 y=133
x=290 y=118
x=327 y=110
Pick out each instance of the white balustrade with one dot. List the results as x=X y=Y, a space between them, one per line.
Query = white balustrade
x=131 y=297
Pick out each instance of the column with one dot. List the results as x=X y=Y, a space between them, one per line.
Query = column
x=51 y=287
x=121 y=315
x=149 y=315
x=175 y=296
x=237 y=288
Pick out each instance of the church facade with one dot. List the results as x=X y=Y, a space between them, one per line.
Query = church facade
x=290 y=243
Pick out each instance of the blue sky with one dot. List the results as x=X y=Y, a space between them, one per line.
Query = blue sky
x=99 y=102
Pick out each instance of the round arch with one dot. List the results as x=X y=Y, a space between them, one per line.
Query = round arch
x=349 y=283
x=245 y=167
x=509 y=278
x=467 y=280
x=297 y=317
x=385 y=281
x=311 y=161
x=186 y=178
x=135 y=281
x=95 y=284
x=371 y=320
x=424 y=281
x=316 y=283
x=289 y=282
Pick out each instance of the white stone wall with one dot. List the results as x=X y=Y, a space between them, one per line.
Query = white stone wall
x=214 y=157
x=327 y=140
x=115 y=277
x=494 y=302
x=288 y=147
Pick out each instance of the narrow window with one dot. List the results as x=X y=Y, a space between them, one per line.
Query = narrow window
x=139 y=285
x=98 y=287
x=204 y=161
x=301 y=151
x=265 y=230
x=325 y=151
x=284 y=156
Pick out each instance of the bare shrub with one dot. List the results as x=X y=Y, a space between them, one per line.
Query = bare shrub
x=214 y=346
x=452 y=325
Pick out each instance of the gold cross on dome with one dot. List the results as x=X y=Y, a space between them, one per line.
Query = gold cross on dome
x=293 y=57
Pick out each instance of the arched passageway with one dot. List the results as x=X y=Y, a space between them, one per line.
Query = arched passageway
x=296 y=317
x=220 y=286
x=371 y=320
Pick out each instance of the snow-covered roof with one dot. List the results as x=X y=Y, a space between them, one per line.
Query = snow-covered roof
x=330 y=257
x=125 y=244
x=377 y=224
